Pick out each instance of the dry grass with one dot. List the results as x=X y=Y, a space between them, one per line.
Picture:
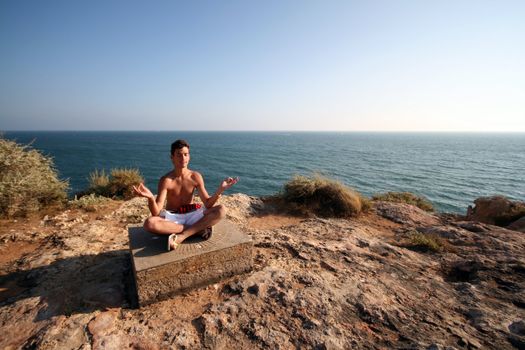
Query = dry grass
x=117 y=185
x=322 y=196
x=405 y=197
x=89 y=203
x=425 y=242
x=28 y=180
x=99 y=182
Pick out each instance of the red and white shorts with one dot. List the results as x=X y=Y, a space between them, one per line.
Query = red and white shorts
x=186 y=219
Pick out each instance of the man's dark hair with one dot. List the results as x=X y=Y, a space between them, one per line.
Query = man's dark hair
x=178 y=145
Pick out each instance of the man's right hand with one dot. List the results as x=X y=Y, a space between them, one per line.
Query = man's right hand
x=143 y=191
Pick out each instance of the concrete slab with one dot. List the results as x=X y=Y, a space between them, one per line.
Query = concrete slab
x=160 y=274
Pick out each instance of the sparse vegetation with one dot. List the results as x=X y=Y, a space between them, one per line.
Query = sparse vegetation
x=405 y=197
x=90 y=202
x=28 y=180
x=425 y=242
x=117 y=185
x=323 y=197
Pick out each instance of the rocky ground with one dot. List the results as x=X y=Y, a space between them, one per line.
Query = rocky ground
x=65 y=282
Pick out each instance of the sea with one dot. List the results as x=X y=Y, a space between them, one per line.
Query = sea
x=449 y=169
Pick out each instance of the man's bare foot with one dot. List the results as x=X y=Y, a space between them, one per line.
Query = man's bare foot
x=206 y=233
x=172 y=242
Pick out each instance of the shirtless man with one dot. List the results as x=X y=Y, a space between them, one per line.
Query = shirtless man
x=182 y=218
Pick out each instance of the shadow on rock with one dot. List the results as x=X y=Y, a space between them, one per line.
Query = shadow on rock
x=74 y=285
x=148 y=248
x=463 y=271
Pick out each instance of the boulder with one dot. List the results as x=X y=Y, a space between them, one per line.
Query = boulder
x=496 y=210
x=518 y=225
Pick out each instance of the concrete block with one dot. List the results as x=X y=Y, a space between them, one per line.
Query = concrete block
x=160 y=274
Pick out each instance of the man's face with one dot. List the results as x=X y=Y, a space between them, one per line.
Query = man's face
x=181 y=157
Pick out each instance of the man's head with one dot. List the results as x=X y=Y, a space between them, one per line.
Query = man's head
x=179 y=144
x=180 y=153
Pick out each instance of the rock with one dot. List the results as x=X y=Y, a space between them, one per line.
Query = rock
x=102 y=324
x=67 y=333
x=517 y=342
x=406 y=214
x=464 y=271
x=477 y=318
x=471 y=226
x=517 y=327
x=105 y=335
x=435 y=347
x=144 y=344
x=518 y=225
x=133 y=211
x=240 y=207
x=111 y=342
x=106 y=295
x=496 y=210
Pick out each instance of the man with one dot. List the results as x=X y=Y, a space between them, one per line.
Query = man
x=182 y=218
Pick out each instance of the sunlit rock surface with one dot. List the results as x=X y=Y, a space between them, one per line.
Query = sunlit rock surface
x=66 y=282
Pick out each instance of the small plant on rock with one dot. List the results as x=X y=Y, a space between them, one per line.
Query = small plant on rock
x=424 y=242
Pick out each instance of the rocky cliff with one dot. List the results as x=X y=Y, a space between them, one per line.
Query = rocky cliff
x=396 y=277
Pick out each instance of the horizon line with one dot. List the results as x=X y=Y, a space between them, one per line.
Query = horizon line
x=287 y=131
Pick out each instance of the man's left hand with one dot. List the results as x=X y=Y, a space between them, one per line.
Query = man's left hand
x=228 y=182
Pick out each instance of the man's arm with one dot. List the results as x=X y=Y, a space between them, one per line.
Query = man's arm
x=205 y=197
x=155 y=205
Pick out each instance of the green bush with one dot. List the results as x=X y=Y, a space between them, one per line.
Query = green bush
x=425 y=242
x=117 y=185
x=323 y=196
x=28 y=180
x=88 y=203
x=405 y=197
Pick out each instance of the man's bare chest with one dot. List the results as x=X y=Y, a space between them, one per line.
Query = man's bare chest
x=178 y=188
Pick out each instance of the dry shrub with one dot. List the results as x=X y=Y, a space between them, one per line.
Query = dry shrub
x=117 y=185
x=322 y=196
x=99 y=182
x=28 y=180
x=121 y=182
x=405 y=197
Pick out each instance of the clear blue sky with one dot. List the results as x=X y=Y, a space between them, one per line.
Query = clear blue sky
x=262 y=65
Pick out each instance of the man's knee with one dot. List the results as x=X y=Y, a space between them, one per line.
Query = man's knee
x=150 y=224
x=221 y=211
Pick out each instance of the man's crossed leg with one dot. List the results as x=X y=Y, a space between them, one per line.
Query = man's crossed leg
x=179 y=230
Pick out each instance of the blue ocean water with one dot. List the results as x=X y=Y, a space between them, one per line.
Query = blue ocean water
x=450 y=169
